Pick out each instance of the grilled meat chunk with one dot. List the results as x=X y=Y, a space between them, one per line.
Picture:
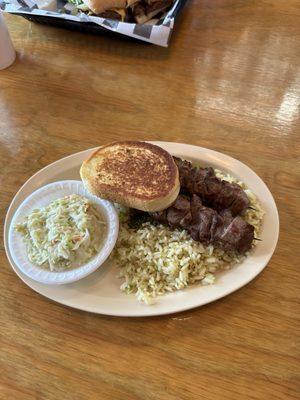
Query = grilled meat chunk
x=236 y=233
x=214 y=193
x=206 y=225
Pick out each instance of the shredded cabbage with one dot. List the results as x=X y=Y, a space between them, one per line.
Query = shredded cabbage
x=79 y=4
x=76 y=2
x=65 y=234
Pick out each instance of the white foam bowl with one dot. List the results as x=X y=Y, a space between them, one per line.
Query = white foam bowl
x=41 y=198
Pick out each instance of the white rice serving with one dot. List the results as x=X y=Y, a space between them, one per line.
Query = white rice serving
x=154 y=260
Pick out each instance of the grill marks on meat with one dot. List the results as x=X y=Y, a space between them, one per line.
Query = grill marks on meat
x=207 y=225
x=214 y=193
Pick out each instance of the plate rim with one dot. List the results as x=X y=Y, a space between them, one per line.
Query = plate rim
x=155 y=312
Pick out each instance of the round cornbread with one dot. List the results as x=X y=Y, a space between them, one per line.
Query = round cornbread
x=134 y=174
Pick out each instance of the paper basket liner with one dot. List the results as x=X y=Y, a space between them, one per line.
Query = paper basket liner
x=156 y=31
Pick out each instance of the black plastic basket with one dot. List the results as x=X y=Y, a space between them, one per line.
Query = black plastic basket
x=88 y=27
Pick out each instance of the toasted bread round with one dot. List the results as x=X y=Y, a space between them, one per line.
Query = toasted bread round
x=135 y=174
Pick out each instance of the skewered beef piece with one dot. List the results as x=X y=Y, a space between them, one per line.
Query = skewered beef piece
x=206 y=225
x=214 y=193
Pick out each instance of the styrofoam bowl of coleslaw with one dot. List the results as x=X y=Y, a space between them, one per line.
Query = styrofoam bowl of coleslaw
x=105 y=214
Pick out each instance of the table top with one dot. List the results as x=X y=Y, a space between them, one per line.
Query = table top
x=229 y=81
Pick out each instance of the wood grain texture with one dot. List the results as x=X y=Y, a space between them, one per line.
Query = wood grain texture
x=229 y=81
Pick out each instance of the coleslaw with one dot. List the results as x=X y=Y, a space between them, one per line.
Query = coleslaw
x=65 y=234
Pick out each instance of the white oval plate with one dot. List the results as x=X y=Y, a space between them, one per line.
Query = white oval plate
x=41 y=198
x=100 y=293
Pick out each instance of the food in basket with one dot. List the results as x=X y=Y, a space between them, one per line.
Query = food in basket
x=212 y=224
x=65 y=234
x=136 y=11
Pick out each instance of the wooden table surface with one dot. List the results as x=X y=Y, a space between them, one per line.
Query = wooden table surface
x=230 y=81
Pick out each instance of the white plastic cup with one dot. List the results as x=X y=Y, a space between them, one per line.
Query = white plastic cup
x=7 y=51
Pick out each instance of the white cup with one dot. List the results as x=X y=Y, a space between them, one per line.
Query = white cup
x=7 y=51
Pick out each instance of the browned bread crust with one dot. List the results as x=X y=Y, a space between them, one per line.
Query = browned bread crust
x=135 y=174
